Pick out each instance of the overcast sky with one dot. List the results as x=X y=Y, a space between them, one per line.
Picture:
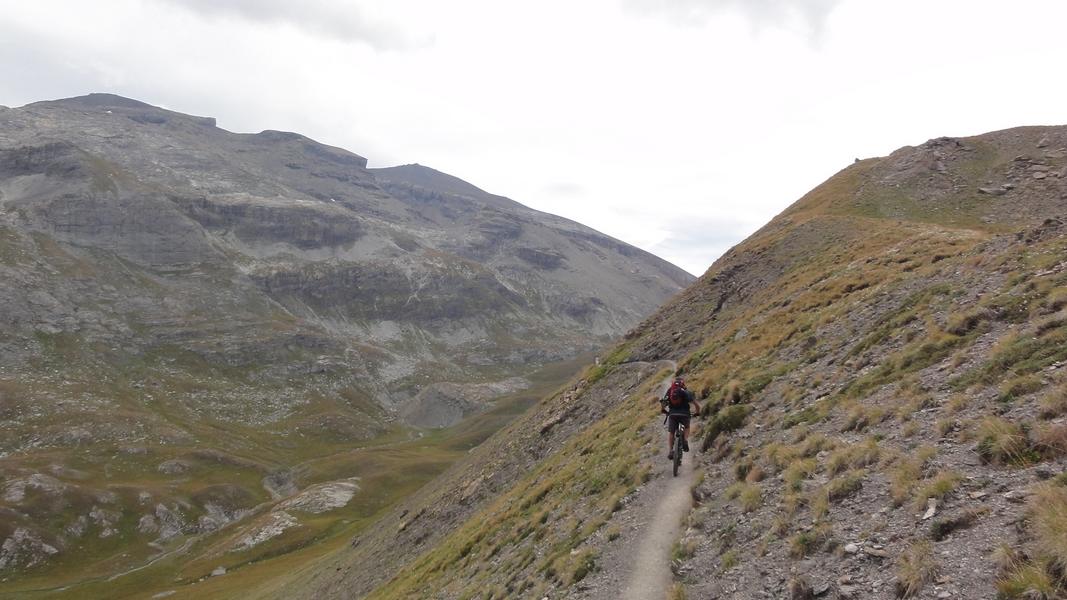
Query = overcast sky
x=680 y=126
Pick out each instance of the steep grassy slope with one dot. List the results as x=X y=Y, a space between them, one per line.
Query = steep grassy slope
x=883 y=371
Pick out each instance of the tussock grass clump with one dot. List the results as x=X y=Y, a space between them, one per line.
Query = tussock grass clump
x=730 y=560
x=906 y=474
x=815 y=444
x=937 y=487
x=797 y=472
x=1027 y=580
x=945 y=426
x=968 y=321
x=780 y=455
x=1039 y=572
x=1018 y=387
x=677 y=592
x=1055 y=301
x=582 y=564
x=728 y=419
x=855 y=456
x=1049 y=525
x=748 y=495
x=957 y=403
x=844 y=486
x=684 y=549
x=1054 y=402
x=808 y=542
x=1001 y=441
x=1050 y=440
x=1020 y=353
x=861 y=417
x=915 y=568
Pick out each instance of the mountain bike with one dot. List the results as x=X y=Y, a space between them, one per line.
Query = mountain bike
x=679 y=440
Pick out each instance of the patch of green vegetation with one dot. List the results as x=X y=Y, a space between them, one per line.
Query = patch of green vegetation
x=1017 y=387
x=1002 y=441
x=1040 y=569
x=1019 y=355
x=809 y=414
x=728 y=419
x=809 y=541
x=748 y=495
x=618 y=356
x=937 y=487
x=846 y=485
x=730 y=560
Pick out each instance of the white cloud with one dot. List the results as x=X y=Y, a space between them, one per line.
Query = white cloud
x=341 y=20
x=812 y=14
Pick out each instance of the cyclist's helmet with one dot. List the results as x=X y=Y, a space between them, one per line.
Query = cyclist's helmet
x=678 y=381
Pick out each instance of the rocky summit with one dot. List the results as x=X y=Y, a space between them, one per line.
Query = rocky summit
x=192 y=320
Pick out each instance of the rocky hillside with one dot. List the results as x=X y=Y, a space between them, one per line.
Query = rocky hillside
x=883 y=369
x=193 y=321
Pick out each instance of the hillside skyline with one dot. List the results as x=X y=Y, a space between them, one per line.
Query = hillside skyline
x=679 y=127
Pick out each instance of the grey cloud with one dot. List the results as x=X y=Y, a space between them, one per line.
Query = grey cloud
x=762 y=13
x=695 y=243
x=339 y=19
x=563 y=188
x=33 y=70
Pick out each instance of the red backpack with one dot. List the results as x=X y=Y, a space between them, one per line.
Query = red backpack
x=678 y=396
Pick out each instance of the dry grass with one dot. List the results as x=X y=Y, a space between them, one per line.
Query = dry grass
x=1050 y=440
x=797 y=472
x=1018 y=387
x=957 y=403
x=938 y=487
x=730 y=560
x=807 y=542
x=1001 y=441
x=844 y=486
x=1041 y=574
x=855 y=456
x=910 y=430
x=861 y=417
x=677 y=592
x=748 y=495
x=915 y=568
x=1027 y=580
x=1054 y=403
x=945 y=426
x=907 y=472
x=1049 y=525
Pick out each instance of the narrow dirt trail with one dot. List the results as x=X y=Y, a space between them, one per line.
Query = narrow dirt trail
x=650 y=569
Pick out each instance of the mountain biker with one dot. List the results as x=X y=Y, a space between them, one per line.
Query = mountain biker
x=675 y=404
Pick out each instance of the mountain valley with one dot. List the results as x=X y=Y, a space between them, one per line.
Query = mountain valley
x=217 y=348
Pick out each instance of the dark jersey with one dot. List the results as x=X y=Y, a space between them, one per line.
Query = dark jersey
x=682 y=409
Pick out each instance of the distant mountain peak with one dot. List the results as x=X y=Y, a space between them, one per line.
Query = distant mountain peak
x=100 y=99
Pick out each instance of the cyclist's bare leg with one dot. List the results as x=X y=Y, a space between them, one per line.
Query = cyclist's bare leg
x=670 y=442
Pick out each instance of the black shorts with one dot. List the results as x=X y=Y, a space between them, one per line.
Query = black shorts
x=674 y=420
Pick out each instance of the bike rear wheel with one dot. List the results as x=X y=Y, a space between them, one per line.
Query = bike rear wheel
x=678 y=437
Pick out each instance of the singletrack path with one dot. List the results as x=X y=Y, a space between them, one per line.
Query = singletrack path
x=650 y=572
